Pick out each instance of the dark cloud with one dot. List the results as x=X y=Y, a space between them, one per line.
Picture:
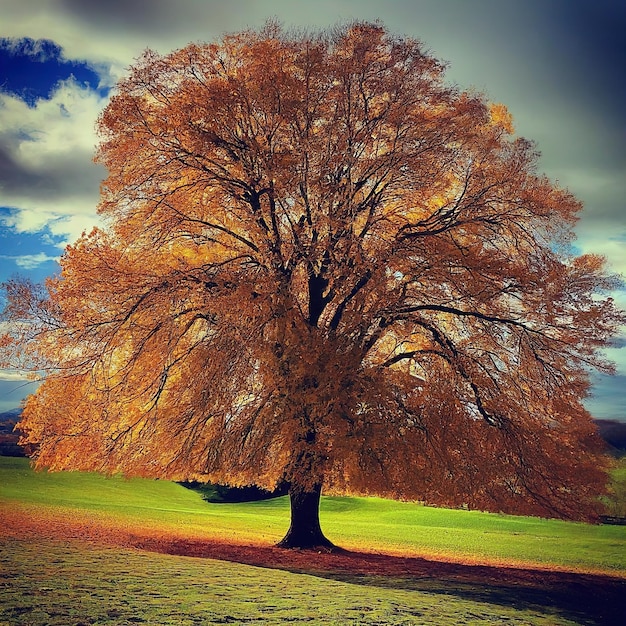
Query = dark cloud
x=587 y=41
x=11 y=174
x=74 y=175
x=32 y=69
x=584 y=52
x=156 y=18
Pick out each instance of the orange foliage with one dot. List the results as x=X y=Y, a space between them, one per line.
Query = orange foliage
x=321 y=265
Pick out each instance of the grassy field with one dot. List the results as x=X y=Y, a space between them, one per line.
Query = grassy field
x=66 y=581
x=57 y=584
x=368 y=524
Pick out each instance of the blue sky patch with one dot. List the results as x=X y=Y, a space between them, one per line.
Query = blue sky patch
x=31 y=69
x=32 y=254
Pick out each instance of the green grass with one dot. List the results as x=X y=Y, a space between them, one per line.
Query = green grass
x=616 y=502
x=370 y=524
x=59 y=584
x=54 y=582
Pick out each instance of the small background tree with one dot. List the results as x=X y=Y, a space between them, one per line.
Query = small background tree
x=321 y=266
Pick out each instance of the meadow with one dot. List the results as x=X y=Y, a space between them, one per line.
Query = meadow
x=84 y=549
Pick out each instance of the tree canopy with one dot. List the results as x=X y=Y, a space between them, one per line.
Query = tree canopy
x=323 y=266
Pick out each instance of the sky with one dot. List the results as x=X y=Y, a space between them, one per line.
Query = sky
x=558 y=65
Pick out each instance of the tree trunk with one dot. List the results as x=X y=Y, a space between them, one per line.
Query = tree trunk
x=305 y=531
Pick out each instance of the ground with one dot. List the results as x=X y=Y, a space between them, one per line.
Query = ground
x=592 y=598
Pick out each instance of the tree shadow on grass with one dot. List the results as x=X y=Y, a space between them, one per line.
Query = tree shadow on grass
x=589 y=599
x=578 y=603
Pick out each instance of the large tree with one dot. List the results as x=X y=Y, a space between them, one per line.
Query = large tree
x=323 y=267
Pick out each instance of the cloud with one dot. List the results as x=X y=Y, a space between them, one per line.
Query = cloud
x=109 y=36
x=163 y=18
x=30 y=261
x=15 y=376
x=47 y=176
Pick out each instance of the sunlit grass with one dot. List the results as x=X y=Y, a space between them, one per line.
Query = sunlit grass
x=368 y=524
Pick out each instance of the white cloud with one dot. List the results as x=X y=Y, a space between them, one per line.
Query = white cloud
x=48 y=178
x=612 y=248
x=30 y=261
x=15 y=376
